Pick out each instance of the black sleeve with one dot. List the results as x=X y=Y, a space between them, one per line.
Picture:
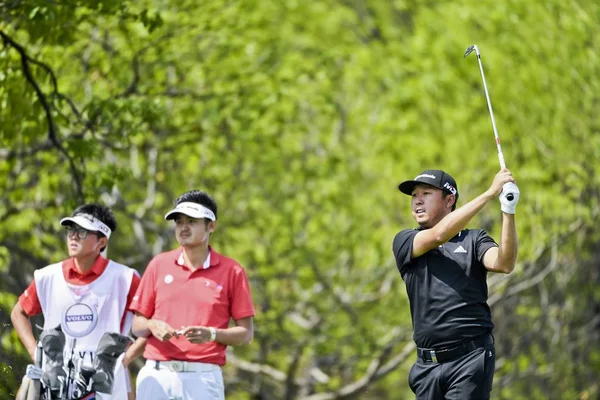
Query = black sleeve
x=402 y=247
x=483 y=243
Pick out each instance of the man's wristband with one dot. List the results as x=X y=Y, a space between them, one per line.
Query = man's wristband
x=213 y=333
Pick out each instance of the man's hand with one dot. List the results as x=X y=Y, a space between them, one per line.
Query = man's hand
x=198 y=334
x=161 y=330
x=502 y=177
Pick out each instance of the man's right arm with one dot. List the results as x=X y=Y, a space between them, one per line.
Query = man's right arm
x=457 y=220
x=143 y=302
x=143 y=305
x=140 y=326
x=144 y=327
x=22 y=325
x=27 y=306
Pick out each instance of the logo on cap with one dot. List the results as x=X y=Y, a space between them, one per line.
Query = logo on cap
x=450 y=188
x=425 y=176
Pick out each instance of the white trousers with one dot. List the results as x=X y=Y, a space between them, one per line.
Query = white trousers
x=205 y=383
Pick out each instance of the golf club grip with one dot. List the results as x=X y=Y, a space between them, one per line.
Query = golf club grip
x=510 y=197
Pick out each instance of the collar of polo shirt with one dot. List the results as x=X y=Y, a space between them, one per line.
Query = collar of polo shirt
x=205 y=265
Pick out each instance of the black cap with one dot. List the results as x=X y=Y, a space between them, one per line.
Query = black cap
x=433 y=177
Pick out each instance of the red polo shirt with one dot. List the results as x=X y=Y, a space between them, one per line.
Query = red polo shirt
x=30 y=301
x=211 y=296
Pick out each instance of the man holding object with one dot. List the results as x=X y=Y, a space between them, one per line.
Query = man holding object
x=85 y=280
x=184 y=304
x=444 y=266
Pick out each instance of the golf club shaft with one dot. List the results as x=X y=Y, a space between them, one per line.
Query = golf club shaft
x=489 y=103
x=509 y=196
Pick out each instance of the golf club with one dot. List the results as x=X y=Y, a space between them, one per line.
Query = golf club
x=509 y=196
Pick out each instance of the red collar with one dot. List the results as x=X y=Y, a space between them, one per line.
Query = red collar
x=72 y=274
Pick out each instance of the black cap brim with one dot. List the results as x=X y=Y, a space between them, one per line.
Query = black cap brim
x=407 y=187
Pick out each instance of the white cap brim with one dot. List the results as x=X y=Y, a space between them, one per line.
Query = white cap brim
x=192 y=210
x=88 y=222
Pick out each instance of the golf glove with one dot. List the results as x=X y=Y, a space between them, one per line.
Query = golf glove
x=509 y=206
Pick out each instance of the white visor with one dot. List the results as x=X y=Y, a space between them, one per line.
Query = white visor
x=88 y=222
x=193 y=210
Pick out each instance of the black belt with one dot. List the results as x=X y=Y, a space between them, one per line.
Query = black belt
x=450 y=353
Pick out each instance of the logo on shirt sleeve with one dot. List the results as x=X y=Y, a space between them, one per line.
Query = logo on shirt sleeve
x=168 y=279
x=460 y=249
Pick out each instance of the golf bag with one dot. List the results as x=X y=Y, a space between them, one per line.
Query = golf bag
x=68 y=379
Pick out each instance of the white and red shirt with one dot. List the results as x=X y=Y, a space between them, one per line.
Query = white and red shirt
x=97 y=300
x=30 y=302
x=209 y=296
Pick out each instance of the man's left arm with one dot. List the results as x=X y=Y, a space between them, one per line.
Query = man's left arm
x=241 y=311
x=504 y=257
x=241 y=333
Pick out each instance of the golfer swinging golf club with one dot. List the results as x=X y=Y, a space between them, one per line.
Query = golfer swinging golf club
x=444 y=266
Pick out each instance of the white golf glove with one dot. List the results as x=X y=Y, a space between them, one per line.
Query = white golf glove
x=509 y=206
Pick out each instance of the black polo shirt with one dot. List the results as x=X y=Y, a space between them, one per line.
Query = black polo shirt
x=446 y=287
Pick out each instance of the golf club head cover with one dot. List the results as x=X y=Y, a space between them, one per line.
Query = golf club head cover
x=509 y=206
x=54 y=378
x=53 y=344
x=111 y=346
x=84 y=378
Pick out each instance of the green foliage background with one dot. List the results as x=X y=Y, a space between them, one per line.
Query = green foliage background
x=300 y=118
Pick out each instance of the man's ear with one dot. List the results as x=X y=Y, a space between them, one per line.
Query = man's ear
x=450 y=200
x=102 y=242
x=212 y=226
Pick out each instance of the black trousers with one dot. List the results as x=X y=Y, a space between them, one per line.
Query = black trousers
x=467 y=377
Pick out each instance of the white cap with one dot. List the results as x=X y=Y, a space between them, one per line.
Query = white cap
x=193 y=210
x=88 y=222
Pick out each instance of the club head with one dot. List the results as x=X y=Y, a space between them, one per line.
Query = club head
x=470 y=50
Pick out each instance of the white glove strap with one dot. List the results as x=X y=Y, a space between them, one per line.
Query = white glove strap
x=507 y=209
x=213 y=333
x=509 y=206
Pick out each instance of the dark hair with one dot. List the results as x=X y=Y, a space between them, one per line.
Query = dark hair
x=198 y=197
x=100 y=212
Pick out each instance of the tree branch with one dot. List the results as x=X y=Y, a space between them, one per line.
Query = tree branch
x=9 y=154
x=132 y=88
x=538 y=277
x=528 y=283
x=374 y=372
x=52 y=134
x=292 y=368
